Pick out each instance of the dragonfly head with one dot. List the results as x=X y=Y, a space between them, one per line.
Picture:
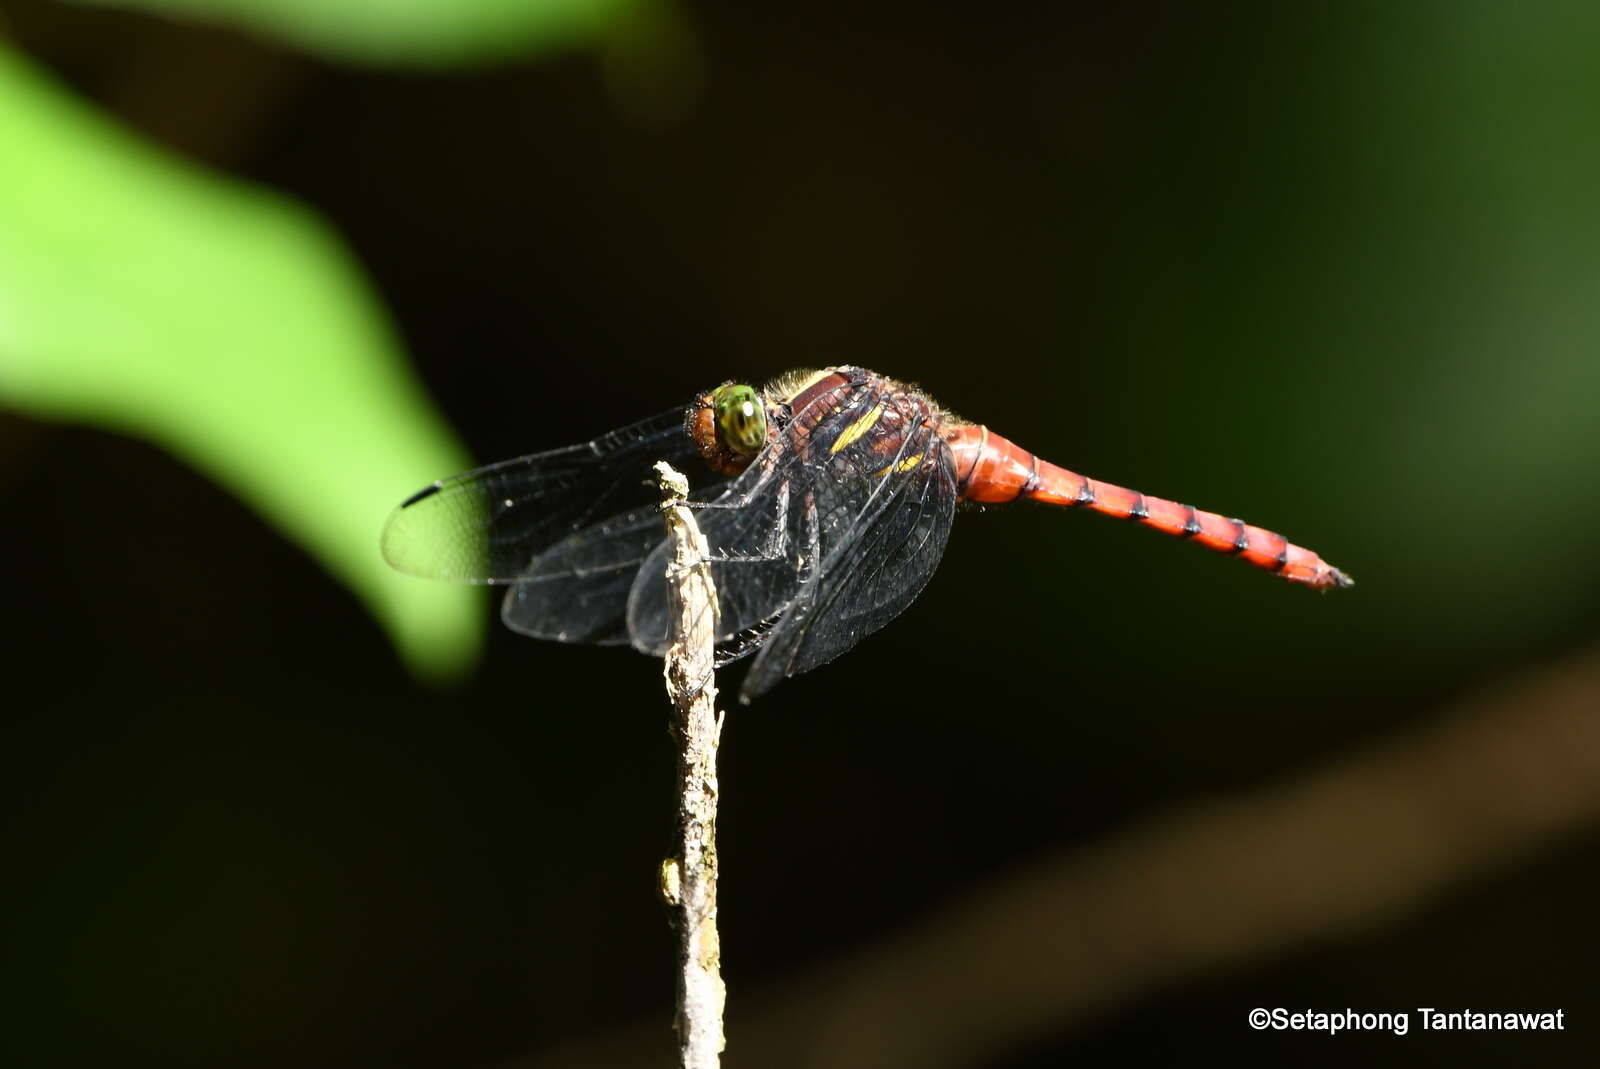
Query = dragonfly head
x=729 y=427
x=741 y=419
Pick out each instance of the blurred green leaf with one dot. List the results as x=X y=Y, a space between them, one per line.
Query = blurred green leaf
x=230 y=327
x=423 y=32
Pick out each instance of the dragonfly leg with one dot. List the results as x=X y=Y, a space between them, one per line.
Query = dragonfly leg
x=731 y=501
x=776 y=545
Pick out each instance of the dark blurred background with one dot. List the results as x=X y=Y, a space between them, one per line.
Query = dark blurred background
x=1335 y=269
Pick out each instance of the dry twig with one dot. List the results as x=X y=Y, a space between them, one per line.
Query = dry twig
x=689 y=880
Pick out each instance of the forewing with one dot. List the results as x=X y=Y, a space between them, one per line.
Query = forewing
x=566 y=529
x=868 y=581
x=492 y=524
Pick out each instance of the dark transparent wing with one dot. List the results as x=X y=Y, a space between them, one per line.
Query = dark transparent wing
x=577 y=589
x=868 y=582
x=834 y=471
x=492 y=524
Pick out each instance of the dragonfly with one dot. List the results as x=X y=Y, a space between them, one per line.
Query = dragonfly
x=829 y=498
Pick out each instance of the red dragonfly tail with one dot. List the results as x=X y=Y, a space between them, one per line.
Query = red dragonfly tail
x=992 y=470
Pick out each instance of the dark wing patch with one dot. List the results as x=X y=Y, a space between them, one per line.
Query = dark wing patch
x=577 y=590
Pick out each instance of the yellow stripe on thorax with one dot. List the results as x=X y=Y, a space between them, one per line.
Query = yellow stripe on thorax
x=857 y=429
x=905 y=465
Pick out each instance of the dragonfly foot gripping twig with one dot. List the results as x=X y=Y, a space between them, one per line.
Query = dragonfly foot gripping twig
x=689 y=880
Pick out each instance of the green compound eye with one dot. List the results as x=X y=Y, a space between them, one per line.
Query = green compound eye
x=741 y=418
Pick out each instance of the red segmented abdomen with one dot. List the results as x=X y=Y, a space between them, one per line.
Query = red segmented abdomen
x=993 y=470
